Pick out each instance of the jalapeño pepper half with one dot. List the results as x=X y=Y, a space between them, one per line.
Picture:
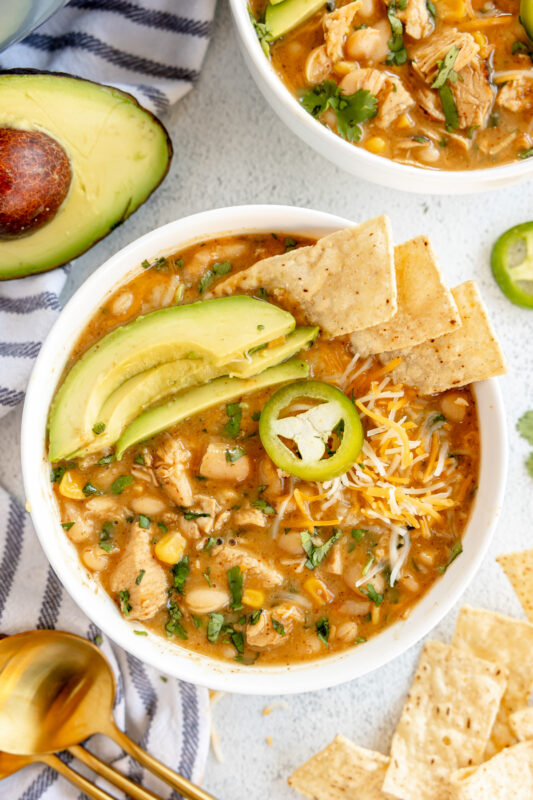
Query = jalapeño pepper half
x=311 y=431
x=512 y=264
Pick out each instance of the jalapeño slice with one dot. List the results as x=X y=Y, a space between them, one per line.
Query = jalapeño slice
x=512 y=264
x=332 y=418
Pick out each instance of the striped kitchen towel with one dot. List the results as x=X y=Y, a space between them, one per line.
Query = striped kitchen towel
x=153 y=49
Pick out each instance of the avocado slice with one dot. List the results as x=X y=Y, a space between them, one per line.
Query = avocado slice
x=118 y=154
x=269 y=356
x=282 y=17
x=216 y=331
x=193 y=401
x=154 y=385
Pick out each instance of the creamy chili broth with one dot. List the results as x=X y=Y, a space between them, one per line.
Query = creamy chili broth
x=247 y=514
x=493 y=95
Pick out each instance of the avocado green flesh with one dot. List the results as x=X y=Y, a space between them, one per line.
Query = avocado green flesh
x=219 y=331
x=269 y=356
x=118 y=153
x=281 y=18
x=152 y=386
x=526 y=16
x=193 y=401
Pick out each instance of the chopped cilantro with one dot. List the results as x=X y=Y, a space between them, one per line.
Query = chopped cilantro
x=140 y=576
x=98 y=427
x=290 y=244
x=90 y=489
x=372 y=595
x=139 y=459
x=368 y=564
x=262 y=32
x=106 y=536
x=125 y=605
x=67 y=525
x=144 y=521
x=494 y=120
x=438 y=418
x=262 y=293
x=216 y=271
x=174 y=626
x=446 y=68
x=140 y=633
x=278 y=627
x=254 y=617
x=163 y=528
x=195 y=514
x=350 y=109
x=526 y=153
x=105 y=460
x=57 y=473
x=322 y=630
x=358 y=533
x=197 y=621
x=180 y=572
x=120 y=483
x=234 y=453
x=234 y=576
x=420 y=139
x=397 y=52
x=214 y=626
x=456 y=550
x=211 y=542
x=432 y=11
x=316 y=553
x=233 y=425
x=256 y=416
x=179 y=263
x=264 y=506
x=519 y=47
x=449 y=107
x=207 y=576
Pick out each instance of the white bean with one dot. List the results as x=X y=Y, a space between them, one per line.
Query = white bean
x=94 y=558
x=453 y=407
x=148 y=505
x=347 y=632
x=204 y=601
x=121 y=303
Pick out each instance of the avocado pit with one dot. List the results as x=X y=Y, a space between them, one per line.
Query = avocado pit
x=35 y=177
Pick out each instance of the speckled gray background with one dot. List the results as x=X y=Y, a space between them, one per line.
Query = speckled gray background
x=230 y=148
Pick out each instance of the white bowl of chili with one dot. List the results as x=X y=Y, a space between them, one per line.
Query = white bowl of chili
x=358 y=160
x=88 y=593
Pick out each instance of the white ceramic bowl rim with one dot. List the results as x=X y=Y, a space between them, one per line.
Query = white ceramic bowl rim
x=354 y=159
x=155 y=650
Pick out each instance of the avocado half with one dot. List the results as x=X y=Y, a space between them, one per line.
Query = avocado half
x=118 y=153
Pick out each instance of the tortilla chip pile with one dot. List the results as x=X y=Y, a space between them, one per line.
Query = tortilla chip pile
x=390 y=301
x=466 y=730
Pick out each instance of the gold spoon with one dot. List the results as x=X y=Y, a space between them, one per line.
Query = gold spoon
x=10 y=764
x=56 y=690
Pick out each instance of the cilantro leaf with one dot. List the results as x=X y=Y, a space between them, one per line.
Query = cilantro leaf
x=216 y=271
x=322 y=630
x=264 y=506
x=317 y=553
x=456 y=550
x=214 y=626
x=174 y=626
x=125 y=605
x=180 y=572
x=262 y=32
x=372 y=595
x=397 y=52
x=446 y=68
x=526 y=153
x=350 y=109
x=235 y=586
x=449 y=107
x=278 y=627
x=234 y=453
x=120 y=483
x=254 y=617
x=319 y=98
x=524 y=426
x=233 y=425
x=105 y=539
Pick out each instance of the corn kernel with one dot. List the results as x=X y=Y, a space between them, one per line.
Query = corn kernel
x=343 y=67
x=376 y=144
x=318 y=590
x=71 y=485
x=454 y=10
x=253 y=598
x=170 y=547
x=376 y=613
x=404 y=121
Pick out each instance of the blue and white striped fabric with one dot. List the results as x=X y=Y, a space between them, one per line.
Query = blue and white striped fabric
x=153 y=49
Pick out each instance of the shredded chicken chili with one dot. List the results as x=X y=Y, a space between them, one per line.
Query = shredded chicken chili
x=197 y=535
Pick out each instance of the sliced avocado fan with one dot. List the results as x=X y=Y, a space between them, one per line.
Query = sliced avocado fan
x=118 y=154
x=133 y=396
x=193 y=401
x=282 y=17
x=214 y=332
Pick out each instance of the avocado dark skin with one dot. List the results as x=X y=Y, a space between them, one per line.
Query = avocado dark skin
x=35 y=177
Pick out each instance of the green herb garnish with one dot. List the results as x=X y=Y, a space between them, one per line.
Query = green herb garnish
x=234 y=453
x=140 y=576
x=90 y=489
x=446 y=68
x=125 y=605
x=254 y=617
x=278 y=627
x=106 y=535
x=233 y=425
x=180 y=572
x=322 y=630
x=174 y=626
x=67 y=525
x=235 y=586
x=372 y=595
x=351 y=110
x=120 y=483
x=264 y=506
x=214 y=626
x=105 y=460
x=144 y=521
x=456 y=550
x=317 y=553
x=216 y=271
x=139 y=459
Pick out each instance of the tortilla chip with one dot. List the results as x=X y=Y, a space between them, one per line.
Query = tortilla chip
x=426 y=308
x=341 y=771
x=521 y=723
x=344 y=282
x=471 y=353
x=506 y=641
x=507 y=776
x=445 y=723
x=519 y=569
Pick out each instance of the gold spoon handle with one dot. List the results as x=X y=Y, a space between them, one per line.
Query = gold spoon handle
x=187 y=789
x=74 y=777
x=129 y=787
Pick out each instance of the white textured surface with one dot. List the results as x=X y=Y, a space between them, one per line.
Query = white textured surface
x=230 y=149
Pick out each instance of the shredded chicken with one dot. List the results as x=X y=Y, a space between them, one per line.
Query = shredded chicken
x=426 y=56
x=216 y=464
x=334 y=563
x=149 y=594
x=429 y=101
x=227 y=556
x=337 y=26
x=491 y=142
x=416 y=19
x=205 y=505
x=249 y=516
x=516 y=95
x=171 y=462
x=264 y=635
x=473 y=95
x=318 y=65
x=393 y=98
